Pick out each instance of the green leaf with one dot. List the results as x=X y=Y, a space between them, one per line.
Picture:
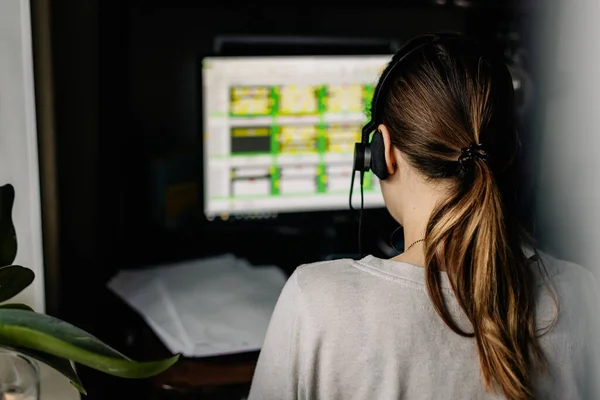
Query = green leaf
x=13 y=279
x=24 y=329
x=8 y=236
x=61 y=365
x=17 y=306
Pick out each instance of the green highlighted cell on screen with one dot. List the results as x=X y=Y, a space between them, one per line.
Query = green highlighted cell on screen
x=321 y=178
x=368 y=182
x=274 y=97
x=368 y=91
x=275 y=175
x=321 y=139
x=274 y=140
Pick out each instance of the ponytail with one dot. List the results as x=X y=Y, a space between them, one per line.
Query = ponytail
x=450 y=94
x=468 y=237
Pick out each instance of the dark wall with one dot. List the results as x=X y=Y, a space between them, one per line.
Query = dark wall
x=126 y=88
x=76 y=70
x=165 y=43
x=126 y=94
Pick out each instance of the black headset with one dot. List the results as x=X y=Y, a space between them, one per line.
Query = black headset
x=370 y=156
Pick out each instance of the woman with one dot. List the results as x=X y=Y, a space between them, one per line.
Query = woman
x=466 y=311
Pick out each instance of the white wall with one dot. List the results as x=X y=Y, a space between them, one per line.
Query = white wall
x=18 y=140
x=570 y=153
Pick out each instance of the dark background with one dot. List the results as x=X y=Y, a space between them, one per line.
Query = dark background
x=126 y=94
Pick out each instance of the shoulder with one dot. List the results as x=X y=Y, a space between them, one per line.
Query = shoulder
x=567 y=276
x=576 y=295
x=321 y=284
x=308 y=275
x=571 y=344
x=335 y=276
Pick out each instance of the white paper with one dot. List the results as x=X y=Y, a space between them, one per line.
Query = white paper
x=140 y=291
x=206 y=307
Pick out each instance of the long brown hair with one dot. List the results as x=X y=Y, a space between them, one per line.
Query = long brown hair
x=448 y=95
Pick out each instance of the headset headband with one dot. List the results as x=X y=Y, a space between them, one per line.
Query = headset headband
x=409 y=48
x=370 y=156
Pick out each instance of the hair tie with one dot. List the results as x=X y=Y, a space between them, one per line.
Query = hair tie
x=471 y=153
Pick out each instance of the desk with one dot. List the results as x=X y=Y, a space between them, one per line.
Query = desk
x=228 y=375
x=218 y=377
x=231 y=374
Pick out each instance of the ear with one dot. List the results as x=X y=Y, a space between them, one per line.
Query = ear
x=390 y=156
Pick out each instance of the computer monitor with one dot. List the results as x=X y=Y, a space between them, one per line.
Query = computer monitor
x=279 y=132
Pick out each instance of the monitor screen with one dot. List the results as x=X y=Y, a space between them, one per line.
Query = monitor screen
x=279 y=132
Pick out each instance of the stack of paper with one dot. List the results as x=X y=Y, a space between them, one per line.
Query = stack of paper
x=204 y=307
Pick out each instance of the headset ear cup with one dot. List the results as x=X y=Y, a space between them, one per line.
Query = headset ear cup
x=378 y=165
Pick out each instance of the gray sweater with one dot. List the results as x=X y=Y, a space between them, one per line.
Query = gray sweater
x=366 y=329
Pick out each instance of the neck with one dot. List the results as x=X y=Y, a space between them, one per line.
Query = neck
x=413 y=250
x=414 y=223
x=413 y=232
x=416 y=217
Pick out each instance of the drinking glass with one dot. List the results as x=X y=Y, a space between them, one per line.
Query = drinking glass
x=19 y=377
